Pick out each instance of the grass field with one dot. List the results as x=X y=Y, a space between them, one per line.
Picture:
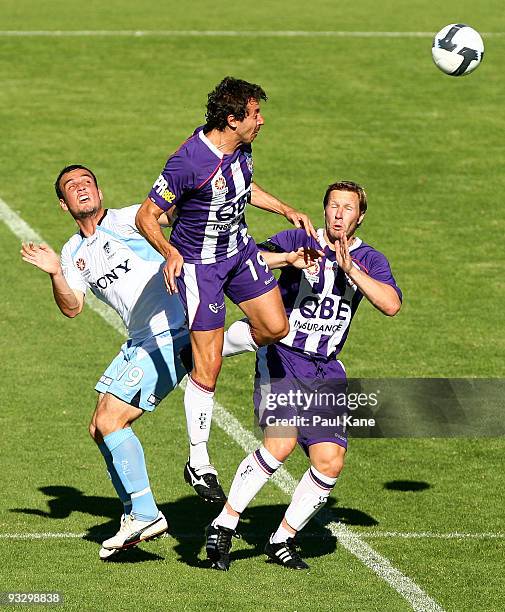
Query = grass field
x=374 y=109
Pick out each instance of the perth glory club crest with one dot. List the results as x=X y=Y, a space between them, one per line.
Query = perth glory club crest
x=313 y=270
x=220 y=184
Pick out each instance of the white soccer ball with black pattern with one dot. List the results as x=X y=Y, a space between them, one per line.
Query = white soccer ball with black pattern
x=457 y=49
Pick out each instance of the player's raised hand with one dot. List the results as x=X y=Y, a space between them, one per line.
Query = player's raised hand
x=304 y=257
x=342 y=254
x=173 y=269
x=301 y=221
x=41 y=256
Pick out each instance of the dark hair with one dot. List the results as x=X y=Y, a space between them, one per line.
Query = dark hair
x=66 y=169
x=347 y=186
x=230 y=97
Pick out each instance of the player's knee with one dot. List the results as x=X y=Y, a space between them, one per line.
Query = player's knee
x=276 y=330
x=281 y=330
x=107 y=421
x=102 y=424
x=331 y=465
x=280 y=448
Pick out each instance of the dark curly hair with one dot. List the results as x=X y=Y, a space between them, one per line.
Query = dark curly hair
x=230 y=97
x=66 y=169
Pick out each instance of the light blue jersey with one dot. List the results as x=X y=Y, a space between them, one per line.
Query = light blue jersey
x=122 y=269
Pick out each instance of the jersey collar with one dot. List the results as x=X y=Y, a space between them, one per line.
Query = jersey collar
x=210 y=145
x=105 y=211
x=320 y=236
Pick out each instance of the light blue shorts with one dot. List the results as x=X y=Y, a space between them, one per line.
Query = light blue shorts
x=145 y=372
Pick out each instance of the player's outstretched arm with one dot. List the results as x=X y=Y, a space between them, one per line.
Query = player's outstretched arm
x=69 y=301
x=302 y=258
x=262 y=199
x=381 y=295
x=148 y=224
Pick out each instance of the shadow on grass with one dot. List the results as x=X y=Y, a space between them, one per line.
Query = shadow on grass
x=406 y=485
x=69 y=499
x=188 y=517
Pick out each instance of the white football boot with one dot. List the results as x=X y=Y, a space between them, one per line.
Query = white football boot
x=107 y=553
x=133 y=531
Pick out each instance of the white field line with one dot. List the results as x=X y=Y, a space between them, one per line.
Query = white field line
x=456 y=535
x=408 y=535
x=25 y=233
x=48 y=535
x=224 y=33
x=352 y=542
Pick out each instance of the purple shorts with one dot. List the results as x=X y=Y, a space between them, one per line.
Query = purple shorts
x=202 y=287
x=300 y=394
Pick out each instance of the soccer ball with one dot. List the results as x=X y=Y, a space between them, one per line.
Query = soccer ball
x=457 y=49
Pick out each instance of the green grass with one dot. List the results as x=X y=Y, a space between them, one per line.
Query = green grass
x=429 y=150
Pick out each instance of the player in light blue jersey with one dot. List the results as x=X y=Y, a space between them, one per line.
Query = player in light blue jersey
x=209 y=180
x=109 y=257
x=300 y=385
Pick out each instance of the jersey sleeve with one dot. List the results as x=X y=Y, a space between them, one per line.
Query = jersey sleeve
x=285 y=242
x=124 y=219
x=177 y=178
x=380 y=270
x=70 y=272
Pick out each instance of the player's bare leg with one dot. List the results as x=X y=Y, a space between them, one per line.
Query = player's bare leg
x=112 y=414
x=266 y=323
x=267 y=317
x=207 y=347
x=327 y=458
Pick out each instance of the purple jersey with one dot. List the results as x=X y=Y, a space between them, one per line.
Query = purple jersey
x=321 y=301
x=210 y=191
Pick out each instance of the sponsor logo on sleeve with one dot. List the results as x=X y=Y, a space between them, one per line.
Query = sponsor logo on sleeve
x=161 y=188
x=168 y=196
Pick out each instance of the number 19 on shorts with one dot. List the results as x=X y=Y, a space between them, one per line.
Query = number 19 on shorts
x=259 y=262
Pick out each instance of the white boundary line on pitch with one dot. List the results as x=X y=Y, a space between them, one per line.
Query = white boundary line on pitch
x=351 y=541
x=25 y=233
x=456 y=535
x=224 y=33
x=48 y=535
